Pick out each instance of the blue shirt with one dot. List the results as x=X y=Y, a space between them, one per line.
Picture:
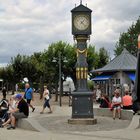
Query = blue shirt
x=28 y=93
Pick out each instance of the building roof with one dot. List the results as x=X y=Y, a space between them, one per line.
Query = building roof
x=124 y=62
x=81 y=8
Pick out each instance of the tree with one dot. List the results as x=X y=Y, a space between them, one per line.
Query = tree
x=103 y=57
x=51 y=61
x=92 y=58
x=43 y=67
x=128 y=39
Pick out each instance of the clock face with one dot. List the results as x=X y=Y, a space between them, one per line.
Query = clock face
x=81 y=22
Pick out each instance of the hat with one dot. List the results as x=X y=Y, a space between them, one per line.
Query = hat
x=18 y=96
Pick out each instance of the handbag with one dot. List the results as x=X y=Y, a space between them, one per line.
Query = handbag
x=109 y=104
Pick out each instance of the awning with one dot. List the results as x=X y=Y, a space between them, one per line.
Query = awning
x=102 y=77
x=132 y=76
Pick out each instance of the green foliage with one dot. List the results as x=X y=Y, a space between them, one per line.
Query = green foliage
x=43 y=67
x=128 y=39
x=90 y=85
x=51 y=60
x=103 y=57
x=92 y=58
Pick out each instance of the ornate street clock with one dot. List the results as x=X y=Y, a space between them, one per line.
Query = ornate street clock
x=82 y=98
x=81 y=20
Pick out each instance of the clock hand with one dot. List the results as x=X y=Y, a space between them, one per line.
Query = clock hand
x=82 y=22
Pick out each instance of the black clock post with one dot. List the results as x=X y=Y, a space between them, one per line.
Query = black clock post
x=82 y=98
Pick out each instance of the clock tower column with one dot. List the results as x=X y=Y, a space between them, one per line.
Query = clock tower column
x=81 y=65
x=82 y=98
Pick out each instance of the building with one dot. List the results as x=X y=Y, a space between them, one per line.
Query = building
x=120 y=72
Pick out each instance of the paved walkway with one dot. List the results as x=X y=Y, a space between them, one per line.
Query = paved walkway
x=100 y=135
x=18 y=134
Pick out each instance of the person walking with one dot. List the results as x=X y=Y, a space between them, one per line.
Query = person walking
x=47 y=99
x=116 y=104
x=29 y=95
x=4 y=91
x=127 y=101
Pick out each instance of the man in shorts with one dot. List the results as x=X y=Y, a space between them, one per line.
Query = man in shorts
x=22 y=111
x=29 y=95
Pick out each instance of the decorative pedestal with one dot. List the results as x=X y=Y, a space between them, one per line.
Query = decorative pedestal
x=82 y=105
x=82 y=109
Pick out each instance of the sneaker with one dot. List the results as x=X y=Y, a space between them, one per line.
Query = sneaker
x=33 y=110
x=11 y=127
x=50 y=112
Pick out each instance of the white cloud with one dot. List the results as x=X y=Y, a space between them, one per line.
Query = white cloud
x=30 y=25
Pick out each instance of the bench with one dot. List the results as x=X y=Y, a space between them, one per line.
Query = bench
x=30 y=124
x=125 y=114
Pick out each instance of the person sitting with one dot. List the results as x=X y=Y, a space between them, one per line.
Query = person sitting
x=127 y=101
x=104 y=102
x=116 y=104
x=98 y=94
x=4 y=106
x=12 y=104
x=22 y=111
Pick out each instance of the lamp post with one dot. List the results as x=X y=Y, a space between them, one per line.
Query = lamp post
x=137 y=83
x=60 y=62
x=60 y=80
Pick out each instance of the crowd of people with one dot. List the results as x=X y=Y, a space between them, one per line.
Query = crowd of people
x=17 y=107
x=117 y=102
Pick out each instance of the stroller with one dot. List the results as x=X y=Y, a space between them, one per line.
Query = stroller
x=4 y=106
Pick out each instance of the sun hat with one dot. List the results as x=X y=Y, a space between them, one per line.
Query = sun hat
x=18 y=96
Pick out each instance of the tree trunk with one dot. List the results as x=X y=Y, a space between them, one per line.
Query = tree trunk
x=56 y=93
x=41 y=87
x=13 y=89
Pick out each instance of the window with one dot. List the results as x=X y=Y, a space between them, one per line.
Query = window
x=118 y=81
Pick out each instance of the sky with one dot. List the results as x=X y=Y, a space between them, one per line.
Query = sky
x=28 y=26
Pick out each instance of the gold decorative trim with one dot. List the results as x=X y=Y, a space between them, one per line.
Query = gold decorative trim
x=82 y=52
x=85 y=73
x=81 y=38
x=82 y=73
x=78 y=73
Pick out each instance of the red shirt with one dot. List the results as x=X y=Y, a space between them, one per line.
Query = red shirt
x=127 y=100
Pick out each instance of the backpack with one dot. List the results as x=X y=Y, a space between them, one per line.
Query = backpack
x=4 y=103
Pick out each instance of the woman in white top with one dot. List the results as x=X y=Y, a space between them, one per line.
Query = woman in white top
x=47 y=98
x=13 y=102
x=116 y=104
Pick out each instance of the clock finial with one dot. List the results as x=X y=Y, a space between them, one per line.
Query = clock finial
x=80 y=1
